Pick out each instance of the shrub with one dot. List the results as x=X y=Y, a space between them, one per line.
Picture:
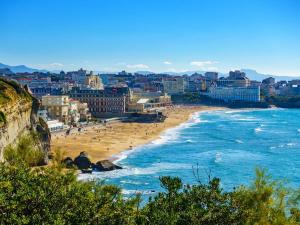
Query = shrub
x=2 y=118
x=26 y=151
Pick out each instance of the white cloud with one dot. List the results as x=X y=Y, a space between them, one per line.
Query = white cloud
x=167 y=63
x=56 y=64
x=202 y=63
x=205 y=65
x=137 y=66
x=174 y=70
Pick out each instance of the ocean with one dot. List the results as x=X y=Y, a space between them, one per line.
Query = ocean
x=228 y=144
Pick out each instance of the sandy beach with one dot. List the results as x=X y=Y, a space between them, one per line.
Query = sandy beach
x=102 y=142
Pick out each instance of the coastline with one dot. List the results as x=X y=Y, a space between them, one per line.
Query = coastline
x=102 y=142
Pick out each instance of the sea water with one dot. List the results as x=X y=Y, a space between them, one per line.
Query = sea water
x=228 y=144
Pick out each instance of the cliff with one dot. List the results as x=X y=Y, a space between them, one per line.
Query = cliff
x=18 y=118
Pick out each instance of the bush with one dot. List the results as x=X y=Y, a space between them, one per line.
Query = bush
x=50 y=196
x=47 y=196
x=2 y=118
x=25 y=151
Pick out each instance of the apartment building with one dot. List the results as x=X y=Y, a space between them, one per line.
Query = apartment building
x=57 y=107
x=174 y=85
x=94 y=81
x=102 y=103
x=231 y=94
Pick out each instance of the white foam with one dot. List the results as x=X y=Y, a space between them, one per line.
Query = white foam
x=130 y=182
x=258 y=129
x=134 y=192
x=218 y=157
x=249 y=118
x=239 y=141
x=128 y=171
x=291 y=144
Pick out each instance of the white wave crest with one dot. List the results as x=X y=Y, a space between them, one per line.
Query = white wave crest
x=128 y=171
x=239 y=141
x=218 y=157
x=133 y=192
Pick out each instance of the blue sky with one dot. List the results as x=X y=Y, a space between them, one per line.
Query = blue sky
x=155 y=35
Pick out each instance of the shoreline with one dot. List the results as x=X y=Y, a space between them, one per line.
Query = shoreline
x=107 y=142
x=118 y=157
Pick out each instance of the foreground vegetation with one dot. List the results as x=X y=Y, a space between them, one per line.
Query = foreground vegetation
x=26 y=151
x=51 y=195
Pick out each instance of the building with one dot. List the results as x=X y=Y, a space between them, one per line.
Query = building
x=74 y=116
x=174 y=85
x=235 y=79
x=269 y=81
x=268 y=86
x=148 y=101
x=232 y=94
x=78 y=76
x=233 y=82
x=93 y=81
x=102 y=103
x=211 y=75
x=55 y=125
x=41 y=91
x=83 y=111
x=233 y=75
x=57 y=107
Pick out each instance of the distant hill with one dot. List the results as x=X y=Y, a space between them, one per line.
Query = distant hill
x=21 y=69
x=254 y=75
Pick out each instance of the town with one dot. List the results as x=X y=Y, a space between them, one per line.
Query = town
x=77 y=97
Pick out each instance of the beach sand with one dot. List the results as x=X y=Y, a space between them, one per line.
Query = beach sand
x=102 y=142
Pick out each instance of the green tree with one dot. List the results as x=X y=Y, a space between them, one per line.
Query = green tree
x=265 y=202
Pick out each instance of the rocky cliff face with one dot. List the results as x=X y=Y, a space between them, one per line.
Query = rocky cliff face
x=18 y=117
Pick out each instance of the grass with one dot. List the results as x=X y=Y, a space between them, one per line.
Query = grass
x=2 y=118
x=26 y=150
x=10 y=91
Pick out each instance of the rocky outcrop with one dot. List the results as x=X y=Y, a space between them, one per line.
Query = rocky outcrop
x=68 y=162
x=18 y=117
x=105 y=165
x=82 y=161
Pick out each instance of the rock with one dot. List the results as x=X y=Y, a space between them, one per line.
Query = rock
x=82 y=161
x=87 y=171
x=69 y=163
x=106 y=165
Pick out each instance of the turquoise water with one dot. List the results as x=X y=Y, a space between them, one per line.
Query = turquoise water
x=228 y=144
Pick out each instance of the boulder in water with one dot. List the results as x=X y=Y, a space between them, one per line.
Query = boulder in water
x=82 y=161
x=106 y=165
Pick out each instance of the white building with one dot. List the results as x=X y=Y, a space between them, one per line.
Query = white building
x=55 y=125
x=57 y=106
x=247 y=94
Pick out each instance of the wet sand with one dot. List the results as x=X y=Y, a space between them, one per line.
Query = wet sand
x=102 y=142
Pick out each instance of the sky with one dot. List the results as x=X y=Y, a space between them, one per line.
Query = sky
x=152 y=35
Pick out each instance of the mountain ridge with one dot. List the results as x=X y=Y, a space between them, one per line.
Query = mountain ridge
x=251 y=73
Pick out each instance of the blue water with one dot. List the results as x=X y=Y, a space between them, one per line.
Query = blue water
x=227 y=144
